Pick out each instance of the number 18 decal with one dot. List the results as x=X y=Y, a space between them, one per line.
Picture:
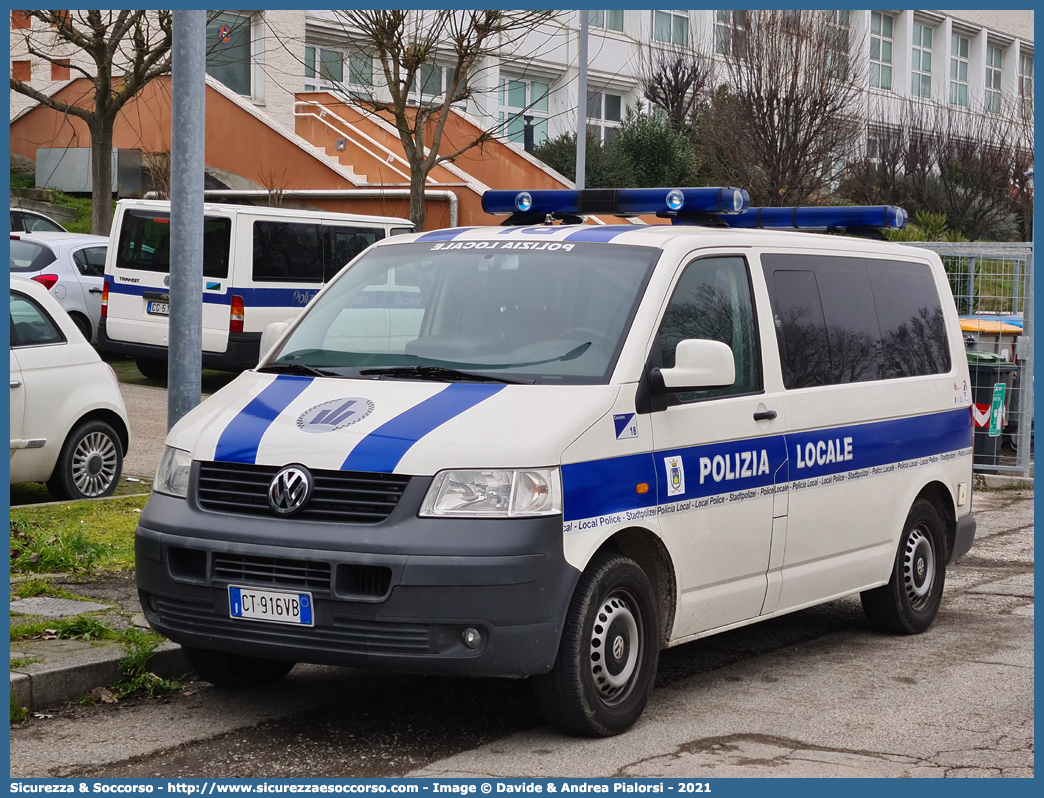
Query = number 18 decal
x=626 y=426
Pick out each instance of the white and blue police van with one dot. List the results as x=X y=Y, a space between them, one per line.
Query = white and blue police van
x=551 y=450
x=259 y=265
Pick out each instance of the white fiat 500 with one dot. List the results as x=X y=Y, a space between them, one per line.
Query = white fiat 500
x=552 y=450
x=69 y=425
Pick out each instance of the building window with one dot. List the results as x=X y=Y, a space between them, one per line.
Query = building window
x=1026 y=83
x=881 y=50
x=610 y=20
x=604 y=113
x=325 y=69
x=228 y=51
x=518 y=99
x=671 y=27
x=22 y=70
x=958 y=71
x=730 y=33
x=20 y=20
x=431 y=82
x=60 y=70
x=921 y=62
x=993 y=79
x=878 y=142
x=838 y=30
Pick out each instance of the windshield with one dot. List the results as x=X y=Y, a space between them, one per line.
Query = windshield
x=423 y=311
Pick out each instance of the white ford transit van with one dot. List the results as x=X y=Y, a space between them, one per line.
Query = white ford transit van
x=259 y=265
x=550 y=451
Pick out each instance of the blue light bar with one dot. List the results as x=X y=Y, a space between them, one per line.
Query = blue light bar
x=838 y=217
x=617 y=201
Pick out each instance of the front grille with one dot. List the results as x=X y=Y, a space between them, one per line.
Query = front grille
x=277 y=571
x=351 y=497
x=346 y=635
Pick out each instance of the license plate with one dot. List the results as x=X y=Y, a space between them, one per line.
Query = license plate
x=158 y=308
x=277 y=606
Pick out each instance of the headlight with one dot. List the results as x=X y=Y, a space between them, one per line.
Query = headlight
x=494 y=494
x=172 y=476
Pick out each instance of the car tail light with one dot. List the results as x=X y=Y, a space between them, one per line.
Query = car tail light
x=46 y=280
x=235 y=319
x=105 y=300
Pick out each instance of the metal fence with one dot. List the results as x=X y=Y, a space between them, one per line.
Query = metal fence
x=992 y=285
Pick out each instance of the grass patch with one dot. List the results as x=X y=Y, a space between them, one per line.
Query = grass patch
x=80 y=627
x=83 y=211
x=23 y=181
x=32 y=588
x=128 y=374
x=77 y=536
x=21 y=662
x=136 y=679
x=18 y=713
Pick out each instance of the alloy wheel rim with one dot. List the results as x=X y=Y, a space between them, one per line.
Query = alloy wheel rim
x=94 y=464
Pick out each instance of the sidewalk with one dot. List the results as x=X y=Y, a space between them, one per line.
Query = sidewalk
x=56 y=670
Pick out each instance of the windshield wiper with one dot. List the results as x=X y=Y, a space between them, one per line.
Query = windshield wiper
x=297 y=368
x=438 y=373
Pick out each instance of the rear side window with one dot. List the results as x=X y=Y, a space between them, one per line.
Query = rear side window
x=90 y=261
x=40 y=224
x=843 y=320
x=29 y=256
x=145 y=243
x=30 y=324
x=287 y=252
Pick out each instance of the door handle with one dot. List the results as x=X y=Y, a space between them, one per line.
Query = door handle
x=765 y=415
x=94 y=291
x=16 y=384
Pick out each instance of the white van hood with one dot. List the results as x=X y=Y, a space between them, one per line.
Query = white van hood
x=390 y=426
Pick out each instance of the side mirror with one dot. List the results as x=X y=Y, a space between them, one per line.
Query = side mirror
x=699 y=365
x=270 y=337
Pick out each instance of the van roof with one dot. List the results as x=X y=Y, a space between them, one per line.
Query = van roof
x=260 y=210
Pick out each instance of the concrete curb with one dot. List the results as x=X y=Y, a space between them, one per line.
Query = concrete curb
x=1003 y=481
x=37 y=685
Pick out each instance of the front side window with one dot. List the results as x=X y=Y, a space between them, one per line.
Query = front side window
x=519 y=99
x=228 y=51
x=921 y=63
x=713 y=301
x=671 y=27
x=90 y=261
x=30 y=324
x=548 y=312
x=40 y=224
x=604 y=114
x=959 y=71
x=881 y=50
x=144 y=243
x=28 y=257
x=343 y=244
x=610 y=20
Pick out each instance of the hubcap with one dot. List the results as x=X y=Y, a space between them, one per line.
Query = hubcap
x=918 y=568
x=94 y=464
x=615 y=648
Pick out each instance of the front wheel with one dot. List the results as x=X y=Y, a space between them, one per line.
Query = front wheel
x=237 y=671
x=89 y=465
x=607 y=659
x=910 y=601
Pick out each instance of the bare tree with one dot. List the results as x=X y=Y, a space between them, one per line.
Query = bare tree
x=415 y=51
x=674 y=78
x=783 y=125
x=127 y=49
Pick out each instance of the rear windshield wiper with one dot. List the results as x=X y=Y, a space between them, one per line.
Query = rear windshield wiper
x=297 y=368
x=438 y=373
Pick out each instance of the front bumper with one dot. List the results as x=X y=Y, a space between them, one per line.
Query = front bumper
x=506 y=578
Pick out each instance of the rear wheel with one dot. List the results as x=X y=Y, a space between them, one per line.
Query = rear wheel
x=89 y=465
x=607 y=658
x=153 y=368
x=910 y=601
x=237 y=671
x=82 y=324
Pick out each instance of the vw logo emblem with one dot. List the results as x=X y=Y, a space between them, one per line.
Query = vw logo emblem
x=618 y=647
x=289 y=490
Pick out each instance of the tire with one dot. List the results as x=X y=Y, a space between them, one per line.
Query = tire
x=613 y=618
x=89 y=465
x=236 y=671
x=152 y=368
x=908 y=604
x=82 y=324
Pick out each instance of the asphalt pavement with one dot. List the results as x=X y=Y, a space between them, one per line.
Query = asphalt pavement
x=814 y=693
x=147 y=411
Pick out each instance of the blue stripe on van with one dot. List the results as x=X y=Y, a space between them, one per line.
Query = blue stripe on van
x=600 y=235
x=254 y=297
x=603 y=487
x=209 y=297
x=383 y=448
x=239 y=440
x=443 y=235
